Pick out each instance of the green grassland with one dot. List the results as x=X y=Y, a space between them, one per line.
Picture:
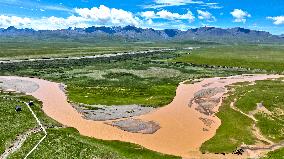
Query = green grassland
x=27 y=47
x=60 y=142
x=270 y=93
x=277 y=154
x=266 y=57
x=13 y=123
x=236 y=127
x=68 y=143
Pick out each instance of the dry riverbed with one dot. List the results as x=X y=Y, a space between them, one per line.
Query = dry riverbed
x=179 y=128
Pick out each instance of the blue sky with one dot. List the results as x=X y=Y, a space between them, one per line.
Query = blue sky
x=265 y=15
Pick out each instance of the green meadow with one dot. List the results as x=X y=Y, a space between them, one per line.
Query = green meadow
x=236 y=128
x=265 y=57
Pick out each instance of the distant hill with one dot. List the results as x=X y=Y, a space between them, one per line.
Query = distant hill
x=131 y=33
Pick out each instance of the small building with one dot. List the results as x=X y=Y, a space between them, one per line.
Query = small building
x=18 y=108
x=31 y=103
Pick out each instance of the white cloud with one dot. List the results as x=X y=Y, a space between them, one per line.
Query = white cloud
x=149 y=22
x=61 y=23
x=168 y=15
x=212 y=5
x=240 y=15
x=108 y=16
x=166 y=3
x=278 y=20
x=56 y=8
x=177 y=2
x=6 y=21
x=205 y=15
x=83 y=17
x=45 y=23
x=148 y=14
x=96 y=16
x=164 y=14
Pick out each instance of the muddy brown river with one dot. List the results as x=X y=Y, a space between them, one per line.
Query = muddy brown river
x=181 y=133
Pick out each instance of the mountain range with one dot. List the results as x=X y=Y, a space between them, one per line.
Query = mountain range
x=132 y=33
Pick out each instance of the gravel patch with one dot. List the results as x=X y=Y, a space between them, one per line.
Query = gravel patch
x=209 y=92
x=207 y=105
x=103 y=113
x=205 y=100
x=207 y=122
x=136 y=126
x=18 y=85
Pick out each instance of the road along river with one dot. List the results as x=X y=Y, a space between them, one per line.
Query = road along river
x=183 y=126
x=99 y=56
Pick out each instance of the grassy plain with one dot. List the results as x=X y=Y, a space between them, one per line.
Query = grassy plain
x=68 y=143
x=265 y=57
x=270 y=94
x=236 y=128
x=13 y=123
x=28 y=49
